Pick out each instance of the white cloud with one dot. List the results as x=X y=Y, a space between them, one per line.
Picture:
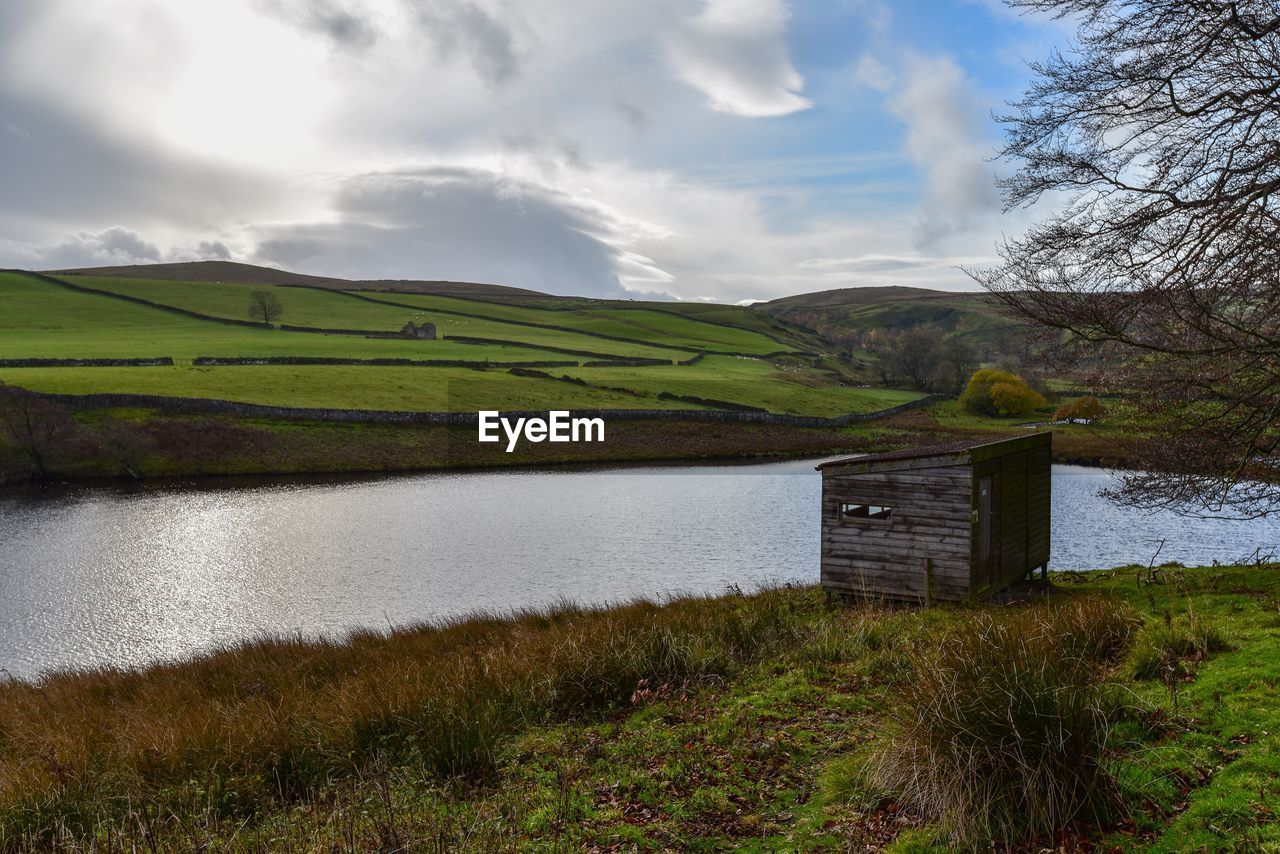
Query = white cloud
x=461 y=224
x=115 y=245
x=734 y=51
x=112 y=246
x=464 y=26
x=657 y=235
x=947 y=137
x=205 y=250
x=347 y=28
x=720 y=241
x=874 y=73
x=553 y=144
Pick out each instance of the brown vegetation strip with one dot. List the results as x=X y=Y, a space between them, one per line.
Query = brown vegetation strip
x=271 y=722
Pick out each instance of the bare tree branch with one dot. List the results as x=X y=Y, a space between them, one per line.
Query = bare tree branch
x=1159 y=131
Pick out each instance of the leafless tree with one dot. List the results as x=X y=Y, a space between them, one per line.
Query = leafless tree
x=878 y=342
x=958 y=360
x=265 y=306
x=923 y=358
x=37 y=428
x=126 y=443
x=914 y=354
x=1157 y=137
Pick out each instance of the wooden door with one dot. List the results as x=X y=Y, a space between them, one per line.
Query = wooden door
x=982 y=572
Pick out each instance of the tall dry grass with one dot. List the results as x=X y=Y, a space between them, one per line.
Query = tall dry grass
x=1001 y=729
x=278 y=721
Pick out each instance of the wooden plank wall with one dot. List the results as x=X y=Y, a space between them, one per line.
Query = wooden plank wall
x=1020 y=535
x=1039 y=502
x=931 y=519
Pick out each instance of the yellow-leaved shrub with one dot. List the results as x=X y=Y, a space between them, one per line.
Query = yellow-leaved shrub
x=999 y=393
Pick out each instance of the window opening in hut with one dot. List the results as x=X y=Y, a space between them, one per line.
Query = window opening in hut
x=863 y=512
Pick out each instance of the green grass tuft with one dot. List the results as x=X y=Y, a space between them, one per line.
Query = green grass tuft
x=1165 y=649
x=1000 y=729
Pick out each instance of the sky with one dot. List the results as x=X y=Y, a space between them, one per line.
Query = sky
x=720 y=150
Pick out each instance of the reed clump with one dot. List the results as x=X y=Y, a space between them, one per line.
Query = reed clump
x=1000 y=731
x=1164 y=650
x=255 y=727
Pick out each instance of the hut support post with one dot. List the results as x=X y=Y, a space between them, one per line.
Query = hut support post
x=928 y=581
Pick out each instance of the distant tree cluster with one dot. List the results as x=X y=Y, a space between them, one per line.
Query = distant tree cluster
x=1159 y=136
x=923 y=358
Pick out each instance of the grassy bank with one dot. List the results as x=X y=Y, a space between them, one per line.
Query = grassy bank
x=746 y=721
x=129 y=442
x=125 y=442
x=744 y=382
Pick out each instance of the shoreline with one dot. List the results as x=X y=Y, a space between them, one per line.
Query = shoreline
x=216 y=480
x=358 y=634
x=184 y=447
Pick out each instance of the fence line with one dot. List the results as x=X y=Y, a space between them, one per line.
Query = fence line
x=87 y=363
x=223 y=361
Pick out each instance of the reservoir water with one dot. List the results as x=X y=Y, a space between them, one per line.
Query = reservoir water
x=113 y=576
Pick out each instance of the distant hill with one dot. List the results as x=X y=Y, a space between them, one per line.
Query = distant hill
x=234 y=272
x=845 y=316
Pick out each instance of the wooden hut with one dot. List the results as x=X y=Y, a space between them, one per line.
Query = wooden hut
x=957 y=521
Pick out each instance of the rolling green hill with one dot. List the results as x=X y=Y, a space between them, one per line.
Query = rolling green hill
x=228 y=272
x=846 y=316
x=622 y=321
x=306 y=306
x=42 y=320
x=693 y=356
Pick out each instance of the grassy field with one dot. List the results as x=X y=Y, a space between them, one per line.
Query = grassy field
x=315 y=307
x=638 y=323
x=747 y=722
x=46 y=321
x=753 y=382
x=229 y=272
x=336 y=386
x=461 y=389
x=335 y=309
